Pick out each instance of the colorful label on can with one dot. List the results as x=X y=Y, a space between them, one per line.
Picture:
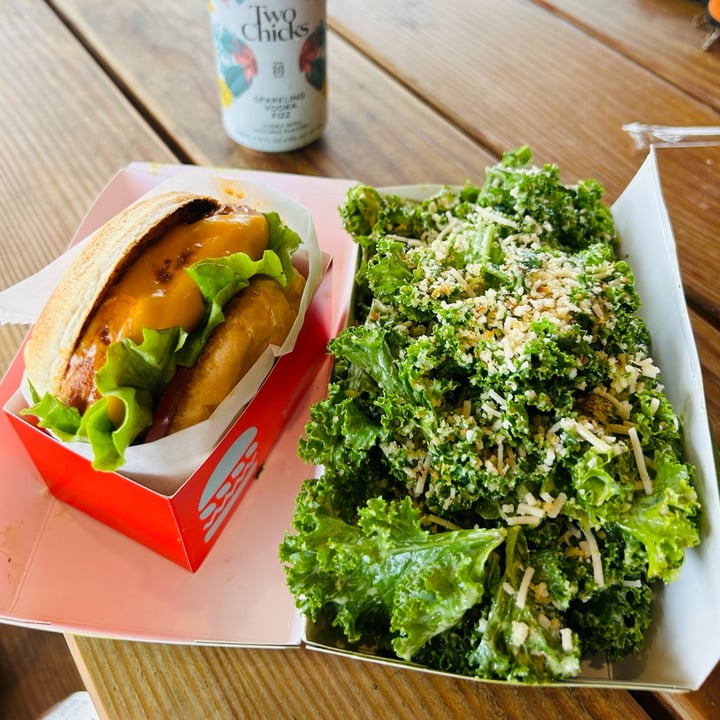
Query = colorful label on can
x=271 y=59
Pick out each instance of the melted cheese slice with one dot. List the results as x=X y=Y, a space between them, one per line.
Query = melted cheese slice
x=155 y=292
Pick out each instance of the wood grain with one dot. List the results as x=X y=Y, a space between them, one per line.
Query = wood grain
x=65 y=131
x=507 y=72
x=377 y=132
x=36 y=672
x=690 y=178
x=701 y=705
x=706 y=340
x=660 y=35
x=250 y=683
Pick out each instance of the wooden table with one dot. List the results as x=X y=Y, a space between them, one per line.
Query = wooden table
x=419 y=91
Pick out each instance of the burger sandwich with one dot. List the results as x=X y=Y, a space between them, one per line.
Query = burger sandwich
x=162 y=313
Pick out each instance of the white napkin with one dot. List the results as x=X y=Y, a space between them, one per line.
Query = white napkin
x=21 y=304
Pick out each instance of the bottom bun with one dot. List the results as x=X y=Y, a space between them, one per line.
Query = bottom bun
x=260 y=315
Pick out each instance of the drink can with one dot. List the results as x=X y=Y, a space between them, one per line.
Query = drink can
x=271 y=71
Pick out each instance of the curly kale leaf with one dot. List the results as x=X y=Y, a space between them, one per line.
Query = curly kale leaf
x=519 y=641
x=386 y=573
x=573 y=214
x=664 y=523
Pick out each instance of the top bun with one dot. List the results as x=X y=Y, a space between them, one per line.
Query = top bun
x=106 y=254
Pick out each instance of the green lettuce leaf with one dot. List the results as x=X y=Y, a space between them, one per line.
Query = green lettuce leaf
x=62 y=419
x=614 y=620
x=133 y=374
x=219 y=279
x=572 y=215
x=283 y=241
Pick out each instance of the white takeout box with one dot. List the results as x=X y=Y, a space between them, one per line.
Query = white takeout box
x=68 y=573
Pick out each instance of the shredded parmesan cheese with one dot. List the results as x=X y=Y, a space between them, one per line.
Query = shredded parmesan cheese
x=554 y=507
x=526 y=509
x=619 y=429
x=593 y=439
x=518 y=633
x=437 y=520
x=524 y=586
x=592 y=547
x=640 y=461
x=422 y=476
x=523 y=520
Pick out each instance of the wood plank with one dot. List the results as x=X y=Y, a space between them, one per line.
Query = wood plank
x=367 y=109
x=86 y=132
x=36 y=672
x=707 y=340
x=516 y=75
x=690 y=177
x=660 y=35
x=306 y=684
x=700 y=705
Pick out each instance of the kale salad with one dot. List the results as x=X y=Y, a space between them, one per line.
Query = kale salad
x=502 y=482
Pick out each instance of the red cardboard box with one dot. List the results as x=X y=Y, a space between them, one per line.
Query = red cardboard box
x=182 y=525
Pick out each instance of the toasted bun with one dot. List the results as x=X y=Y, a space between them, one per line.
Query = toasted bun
x=260 y=315
x=111 y=249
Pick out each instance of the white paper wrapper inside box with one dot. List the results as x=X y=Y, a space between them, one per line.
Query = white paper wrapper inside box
x=164 y=464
